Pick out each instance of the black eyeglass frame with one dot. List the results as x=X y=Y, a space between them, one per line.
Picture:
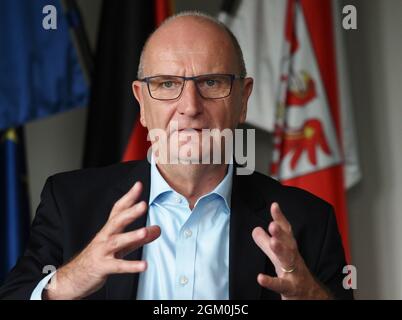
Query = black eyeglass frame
x=193 y=78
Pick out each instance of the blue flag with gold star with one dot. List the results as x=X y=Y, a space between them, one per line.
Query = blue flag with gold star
x=14 y=202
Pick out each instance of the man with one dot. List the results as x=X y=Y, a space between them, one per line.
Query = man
x=208 y=232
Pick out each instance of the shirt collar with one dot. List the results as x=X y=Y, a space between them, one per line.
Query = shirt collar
x=160 y=186
x=158 y=183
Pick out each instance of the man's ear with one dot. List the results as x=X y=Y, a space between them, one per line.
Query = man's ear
x=137 y=90
x=247 y=89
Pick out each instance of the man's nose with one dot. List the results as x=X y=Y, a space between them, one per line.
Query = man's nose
x=190 y=102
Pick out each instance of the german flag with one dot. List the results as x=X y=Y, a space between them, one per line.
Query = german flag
x=114 y=132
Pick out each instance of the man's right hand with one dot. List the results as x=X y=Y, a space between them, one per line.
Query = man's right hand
x=88 y=271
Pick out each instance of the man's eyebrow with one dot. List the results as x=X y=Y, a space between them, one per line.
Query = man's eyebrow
x=163 y=74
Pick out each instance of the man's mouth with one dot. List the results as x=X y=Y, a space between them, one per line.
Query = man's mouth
x=190 y=129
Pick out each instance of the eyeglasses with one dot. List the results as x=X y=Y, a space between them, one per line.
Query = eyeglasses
x=209 y=86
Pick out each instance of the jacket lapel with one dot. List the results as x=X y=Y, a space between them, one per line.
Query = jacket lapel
x=124 y=286
x=246 y=259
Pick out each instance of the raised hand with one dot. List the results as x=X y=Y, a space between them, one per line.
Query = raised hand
x=294 y=280
x=88 y=271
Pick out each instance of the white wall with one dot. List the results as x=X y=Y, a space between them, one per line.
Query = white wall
x=375 y=53
x=54 y=144
x=375 y=205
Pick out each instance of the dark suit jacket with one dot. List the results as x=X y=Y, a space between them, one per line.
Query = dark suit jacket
x=75 y=206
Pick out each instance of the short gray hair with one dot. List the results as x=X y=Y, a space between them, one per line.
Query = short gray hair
x=199 y=14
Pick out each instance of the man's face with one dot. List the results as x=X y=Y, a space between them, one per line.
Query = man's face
x=190 y=47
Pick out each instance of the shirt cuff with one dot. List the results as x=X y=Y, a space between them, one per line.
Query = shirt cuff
x=37 y=293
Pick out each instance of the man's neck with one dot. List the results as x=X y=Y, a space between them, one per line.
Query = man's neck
x=193 y=180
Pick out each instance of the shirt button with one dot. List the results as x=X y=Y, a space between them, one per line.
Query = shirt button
x=183 y=280
x=188 y=233
x=178 y=199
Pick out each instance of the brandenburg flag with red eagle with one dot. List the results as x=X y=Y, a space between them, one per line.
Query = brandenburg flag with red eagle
x=307 y=140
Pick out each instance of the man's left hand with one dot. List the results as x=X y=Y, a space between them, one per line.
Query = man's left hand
x=294 y=280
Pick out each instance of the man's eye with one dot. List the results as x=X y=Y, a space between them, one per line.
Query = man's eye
x=210 y=82
x=167 y=84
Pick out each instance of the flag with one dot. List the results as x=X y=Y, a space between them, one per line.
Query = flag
x=114 y=132
x=293 y=50
x=308 y=143
x=14 y=202
x=39 y=69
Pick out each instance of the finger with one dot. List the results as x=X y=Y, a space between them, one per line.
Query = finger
x=117 y=223
x=276 y=231
x=126 y=266
x=124 y=243
x=154 y=232
x=279 y=217
x=262 y=239
x=277 y=252
x=279 y=285
x=285 y=256
x=128 y=199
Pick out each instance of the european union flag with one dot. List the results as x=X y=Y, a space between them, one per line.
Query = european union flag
x=39 y=69
x=14 y=205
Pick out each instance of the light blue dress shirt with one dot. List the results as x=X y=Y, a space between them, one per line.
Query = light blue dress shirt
x=190 y=260
x=37 y=293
